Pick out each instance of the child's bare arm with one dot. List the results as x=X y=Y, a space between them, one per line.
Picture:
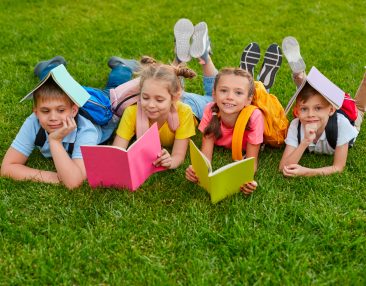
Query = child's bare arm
x=253 y=151
x=292 y=155
x=176 y=158
x=208 y=143
x=339 y=162
x=120 y=142
x=13 y=166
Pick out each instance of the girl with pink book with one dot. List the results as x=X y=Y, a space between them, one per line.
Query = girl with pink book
x=160 y=91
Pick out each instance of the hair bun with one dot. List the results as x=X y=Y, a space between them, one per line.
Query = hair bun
x=182 y=70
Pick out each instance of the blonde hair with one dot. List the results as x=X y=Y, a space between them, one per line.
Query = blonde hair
x=49 y=90
x=167 y=73
x=213 y=126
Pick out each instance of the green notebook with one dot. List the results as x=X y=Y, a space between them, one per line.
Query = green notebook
x=224 y=181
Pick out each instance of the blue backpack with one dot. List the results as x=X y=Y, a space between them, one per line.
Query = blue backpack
x=98 y=108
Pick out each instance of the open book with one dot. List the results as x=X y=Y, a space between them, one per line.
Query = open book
x=112 y=166
x=67 y=83
x=224 y=181
x=323 y=85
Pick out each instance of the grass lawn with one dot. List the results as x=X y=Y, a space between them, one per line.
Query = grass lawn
x=290 y=231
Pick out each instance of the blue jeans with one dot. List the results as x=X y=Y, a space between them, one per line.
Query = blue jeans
x=117 y=76
x=198 y=102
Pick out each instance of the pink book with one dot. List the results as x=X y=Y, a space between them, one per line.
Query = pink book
x=112 y=166
x=323 y=85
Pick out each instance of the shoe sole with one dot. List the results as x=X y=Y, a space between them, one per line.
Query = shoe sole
x=132 y=64
x=271 y=63
x=199 y=40
x=183 y=31
x=41 y=65
x=250 y=57
x=291 y=50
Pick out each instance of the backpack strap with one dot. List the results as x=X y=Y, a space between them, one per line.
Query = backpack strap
x=331 y=130
x=239 y=129
x=142 y=121
x=41 y=138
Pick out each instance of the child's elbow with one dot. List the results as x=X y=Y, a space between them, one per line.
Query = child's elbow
x=72 y=185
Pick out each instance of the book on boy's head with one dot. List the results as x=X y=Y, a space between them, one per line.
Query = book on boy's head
x=323 y=85
x=112 y=166
x=225 y=181
x=66 y=82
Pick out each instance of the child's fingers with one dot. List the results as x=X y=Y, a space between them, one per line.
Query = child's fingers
x=191 y=175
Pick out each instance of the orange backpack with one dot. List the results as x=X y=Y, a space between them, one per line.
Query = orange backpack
x=275 y=121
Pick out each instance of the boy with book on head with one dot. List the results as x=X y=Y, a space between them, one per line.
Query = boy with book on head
x=322 y=123
x=56 y=123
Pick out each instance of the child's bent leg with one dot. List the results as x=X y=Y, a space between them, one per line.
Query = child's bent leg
x=196 y=102
x=291 y=50
x=118 y=75
x=43 y=68
x=360 y=99
x=208 y=68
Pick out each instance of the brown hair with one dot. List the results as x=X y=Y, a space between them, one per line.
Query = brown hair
x=306 y=93
x=49 y=90
x=167 y=73
x=213 y=126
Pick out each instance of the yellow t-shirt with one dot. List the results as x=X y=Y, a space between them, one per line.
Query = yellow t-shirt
x=127 y=126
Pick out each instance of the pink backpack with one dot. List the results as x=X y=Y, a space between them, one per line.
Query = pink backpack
x=127 y=94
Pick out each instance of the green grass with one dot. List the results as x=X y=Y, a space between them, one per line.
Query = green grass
x=291 y=231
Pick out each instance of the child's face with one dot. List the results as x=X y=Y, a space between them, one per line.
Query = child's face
x=231 y=94
x=52 y=113
x=316 y=111
x=155 y=100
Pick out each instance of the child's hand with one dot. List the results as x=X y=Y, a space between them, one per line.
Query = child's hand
x=249 y=188
x=310 y=132
x=294 y=170
x=68 y=126
x=164 y=159
x=191 y=175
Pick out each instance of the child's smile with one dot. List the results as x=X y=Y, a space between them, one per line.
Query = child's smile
x=316 y=110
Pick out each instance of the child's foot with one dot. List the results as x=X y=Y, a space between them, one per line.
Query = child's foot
x=183 y=31
x=117 y=61
x=291 y=50
x=250 y=57
x=271 y=63
x=58 y=60
x=200 y=47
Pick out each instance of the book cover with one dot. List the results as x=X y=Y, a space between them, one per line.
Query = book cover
x=223 y=182
x=323 y=85
x=67 y=83
x=112 y=166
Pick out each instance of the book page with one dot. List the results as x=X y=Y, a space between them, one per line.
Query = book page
x=70 y=86
x=228 y=179
x=201 y=166
x=141 y=155
x=106 y=166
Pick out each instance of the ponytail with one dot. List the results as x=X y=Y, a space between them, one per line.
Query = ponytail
x=214 y=126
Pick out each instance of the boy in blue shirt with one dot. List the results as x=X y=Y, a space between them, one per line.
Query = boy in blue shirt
x=65 y=130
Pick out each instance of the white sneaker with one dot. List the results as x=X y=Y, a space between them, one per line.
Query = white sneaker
x=200 y=46
x=183 y=31
x=291 y=50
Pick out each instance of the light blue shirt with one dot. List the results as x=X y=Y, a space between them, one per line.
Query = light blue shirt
x=346 y=132
x=86 y=134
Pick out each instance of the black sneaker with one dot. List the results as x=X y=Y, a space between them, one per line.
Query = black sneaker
x=271 y=63
x=250 y=57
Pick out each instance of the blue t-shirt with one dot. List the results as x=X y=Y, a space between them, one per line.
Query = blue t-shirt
x=86 y=134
